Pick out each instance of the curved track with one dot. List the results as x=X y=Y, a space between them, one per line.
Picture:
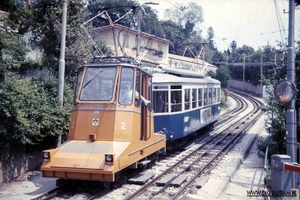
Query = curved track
x=201 y=160
x=198 y=158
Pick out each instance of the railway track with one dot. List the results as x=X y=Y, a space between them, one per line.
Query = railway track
x=193 y=163
x=200 y=161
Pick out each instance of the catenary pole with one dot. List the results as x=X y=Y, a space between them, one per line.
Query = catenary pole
x=61 y=70
x=291 y=136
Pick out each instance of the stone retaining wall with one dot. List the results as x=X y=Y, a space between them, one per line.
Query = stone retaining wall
x=18 y=166
x=247 y=87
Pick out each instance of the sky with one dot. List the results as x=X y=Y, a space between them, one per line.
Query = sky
x=251 y=22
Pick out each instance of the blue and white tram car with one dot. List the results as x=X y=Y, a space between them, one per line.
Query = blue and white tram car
x=184 y=102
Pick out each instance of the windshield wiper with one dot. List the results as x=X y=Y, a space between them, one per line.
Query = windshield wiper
x=92 y=78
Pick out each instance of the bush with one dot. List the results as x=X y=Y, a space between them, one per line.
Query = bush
x=30 y=117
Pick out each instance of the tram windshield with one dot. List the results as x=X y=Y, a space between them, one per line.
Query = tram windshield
x=98 y=84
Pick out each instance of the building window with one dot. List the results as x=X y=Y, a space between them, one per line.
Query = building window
x=125 y=40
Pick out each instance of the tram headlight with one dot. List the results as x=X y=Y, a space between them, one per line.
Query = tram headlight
x=46 y=155
x=109 y=158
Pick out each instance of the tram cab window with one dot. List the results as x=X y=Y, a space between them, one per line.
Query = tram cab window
x=98 y=84
x=160 y=101
x=79 y=79
x=137 y=100
x=194 y=98
x=176 y=103
x=187 y=99
x=150 y=106
x=205 y=94
x=126 y=85
x=199 y=97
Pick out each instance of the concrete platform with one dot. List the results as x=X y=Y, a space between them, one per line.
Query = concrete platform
x=249 y=175
x=31 y=186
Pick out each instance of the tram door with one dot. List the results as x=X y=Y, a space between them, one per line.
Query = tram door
x=143 y=91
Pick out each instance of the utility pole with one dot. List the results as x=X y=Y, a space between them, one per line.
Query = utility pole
x=203 y=55
x=139 y=17
x=244 y=72
x=227 y=58
x=139 y=12
x=61 y=70
x=261 y=73
x=291 y=137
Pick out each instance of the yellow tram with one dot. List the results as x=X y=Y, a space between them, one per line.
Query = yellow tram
x=111 y=125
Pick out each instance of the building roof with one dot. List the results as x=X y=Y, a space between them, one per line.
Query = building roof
x=190 y=60
x=132 y=53
x=134 y=31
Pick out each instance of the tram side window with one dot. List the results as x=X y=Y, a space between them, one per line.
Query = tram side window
x=176 y=102
x=160 y=101
x=219 y=94
x=194 y=98
x=200 y=97
x=187 y=99
x=205 y=96
x=214 y=95
x=210 y=95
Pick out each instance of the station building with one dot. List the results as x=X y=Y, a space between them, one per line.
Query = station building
x=155 y=49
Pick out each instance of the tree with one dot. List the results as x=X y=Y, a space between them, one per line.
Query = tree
x=29 y=114
x=210 y=38
x=223 y=75
x=211 y=73
x=150 y=23
x=233 y=46
x=115 y=9
x=276 y=139
x=186 y=16
x=30 y=118
x=47 y=25
x=173 y=33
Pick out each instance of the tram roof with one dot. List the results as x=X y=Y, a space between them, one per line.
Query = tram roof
x=162 y=78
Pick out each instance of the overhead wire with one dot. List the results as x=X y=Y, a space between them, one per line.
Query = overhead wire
x=180 y=8
x=279 y=21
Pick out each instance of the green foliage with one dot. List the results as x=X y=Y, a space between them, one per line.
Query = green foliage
x=276 y=125
x=223 y=75
x=29 y=114
x=30 y=118
x=185 y=16
x=210 y=37
x=115 y=9
x=211 y=74
x=45 y=21
x=150 y=23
